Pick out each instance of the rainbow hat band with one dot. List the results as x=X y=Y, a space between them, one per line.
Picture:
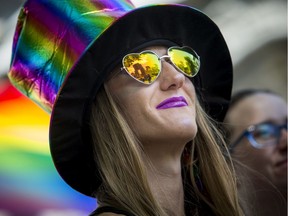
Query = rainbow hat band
x=64 y=50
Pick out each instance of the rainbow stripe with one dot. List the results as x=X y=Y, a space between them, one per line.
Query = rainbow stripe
x=50 y=36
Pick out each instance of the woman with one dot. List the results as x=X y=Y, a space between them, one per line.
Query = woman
x=128 y=124
x=256 y=125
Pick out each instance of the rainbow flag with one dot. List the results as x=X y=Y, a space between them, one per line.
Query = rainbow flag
x=29 y=182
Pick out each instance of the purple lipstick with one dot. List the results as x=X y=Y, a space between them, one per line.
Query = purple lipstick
x=172 y=102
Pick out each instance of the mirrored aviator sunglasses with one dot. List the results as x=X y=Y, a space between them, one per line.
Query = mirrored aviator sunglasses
x=145 y=67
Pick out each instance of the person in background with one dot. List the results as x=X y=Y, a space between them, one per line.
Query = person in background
x=135 y=94
x=256 y=124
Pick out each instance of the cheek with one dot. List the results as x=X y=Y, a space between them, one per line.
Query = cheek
x=131 y=104
x=189 y=86
x=120 y=90
x=190 y=91
x=131 y=107
x=254 y=158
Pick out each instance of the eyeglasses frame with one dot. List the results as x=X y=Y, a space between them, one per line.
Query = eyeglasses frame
x=248 y=134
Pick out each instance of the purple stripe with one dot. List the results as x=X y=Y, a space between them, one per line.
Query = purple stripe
x=56 y=25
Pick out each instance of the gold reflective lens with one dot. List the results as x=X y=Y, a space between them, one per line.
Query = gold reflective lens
x=144 y=67
x=185 y=59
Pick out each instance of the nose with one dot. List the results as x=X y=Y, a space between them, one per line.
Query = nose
x=170 y=77
x=282 y=142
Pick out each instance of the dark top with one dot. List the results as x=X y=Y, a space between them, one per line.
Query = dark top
x=105 y=209
x=109 y=209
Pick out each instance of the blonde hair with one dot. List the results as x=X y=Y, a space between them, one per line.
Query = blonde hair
x=120 y=159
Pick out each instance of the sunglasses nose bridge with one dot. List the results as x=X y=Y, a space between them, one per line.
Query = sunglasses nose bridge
x=164 y=58
x=167 y=58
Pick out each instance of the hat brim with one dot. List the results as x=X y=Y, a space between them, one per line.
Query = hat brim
x=71 y=150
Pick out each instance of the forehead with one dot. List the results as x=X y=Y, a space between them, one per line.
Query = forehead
x=259 y=108
x=157 y=49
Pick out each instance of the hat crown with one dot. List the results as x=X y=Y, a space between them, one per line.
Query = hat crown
x=50 y=37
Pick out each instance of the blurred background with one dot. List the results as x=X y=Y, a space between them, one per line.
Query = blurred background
x=256 y=34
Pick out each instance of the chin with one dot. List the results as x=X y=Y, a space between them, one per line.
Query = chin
x=188 y=130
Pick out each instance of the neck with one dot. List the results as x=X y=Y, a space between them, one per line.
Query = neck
x=165 y=179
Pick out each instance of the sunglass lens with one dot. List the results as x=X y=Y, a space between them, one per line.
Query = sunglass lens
x=185 y=59
x=144 y=67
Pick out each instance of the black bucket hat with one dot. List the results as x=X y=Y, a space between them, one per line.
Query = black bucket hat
x=81 y=43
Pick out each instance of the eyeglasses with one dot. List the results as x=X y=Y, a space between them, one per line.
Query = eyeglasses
x=145 y=67
x=261 y=135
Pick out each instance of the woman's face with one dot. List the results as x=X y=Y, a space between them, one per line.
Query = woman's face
x=271 y=161
x=152 y=122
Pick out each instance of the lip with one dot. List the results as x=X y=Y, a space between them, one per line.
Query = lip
x=172 y=103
